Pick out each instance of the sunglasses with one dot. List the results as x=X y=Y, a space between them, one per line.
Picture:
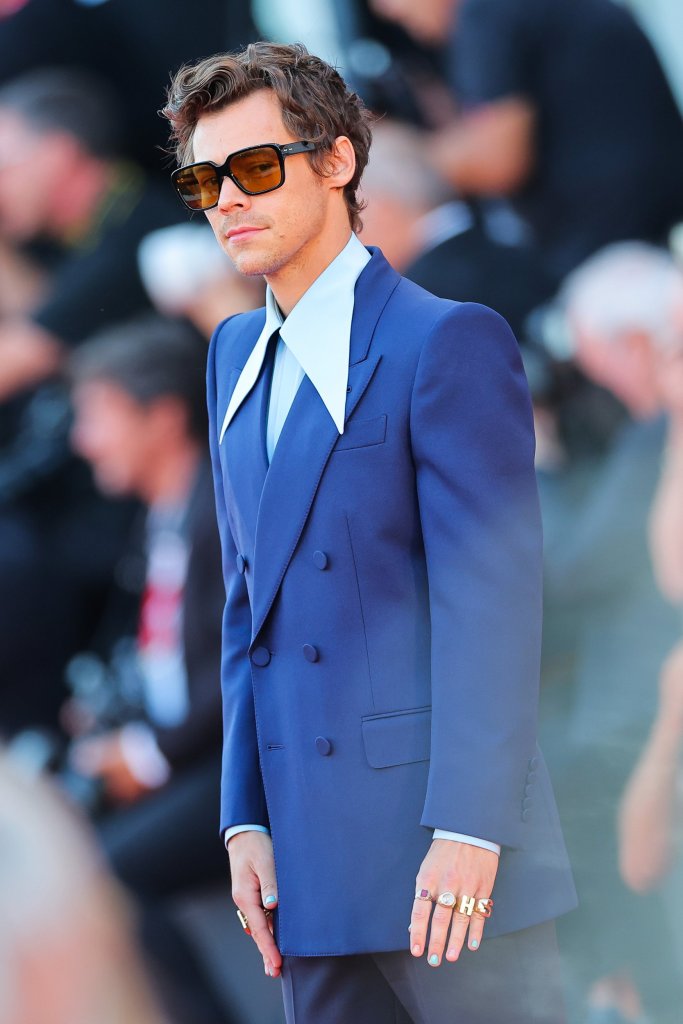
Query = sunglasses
x=255 y=170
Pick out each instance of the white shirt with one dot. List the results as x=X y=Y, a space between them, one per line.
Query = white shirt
x=328 y=303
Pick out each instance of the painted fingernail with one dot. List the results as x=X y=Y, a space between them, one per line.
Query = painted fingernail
x=434 y=960
x=417 y=949
x=269 y=900
x=474 y=944
x=271 y=972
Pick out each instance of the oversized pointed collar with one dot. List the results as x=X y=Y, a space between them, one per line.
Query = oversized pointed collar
x=317 y=332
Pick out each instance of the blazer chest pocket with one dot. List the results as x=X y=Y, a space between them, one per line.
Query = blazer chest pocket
x=400 y=737
x=362 y=434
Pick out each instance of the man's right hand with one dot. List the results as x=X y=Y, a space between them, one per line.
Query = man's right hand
x=252 y=867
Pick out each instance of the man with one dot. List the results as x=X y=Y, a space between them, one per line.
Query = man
x=377 y=505
x=565 y=110
x=62 y=182
x=140 y=421
x=441 y=243
x=131 y=46
x=620 y=307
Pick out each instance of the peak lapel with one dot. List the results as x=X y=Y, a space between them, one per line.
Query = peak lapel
x=306 y=442
x=245 y=454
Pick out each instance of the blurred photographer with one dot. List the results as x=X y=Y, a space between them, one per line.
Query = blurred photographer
x=138 y=394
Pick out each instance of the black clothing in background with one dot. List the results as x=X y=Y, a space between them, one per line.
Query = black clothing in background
x=472 y=267
x=97 y=282
x=134 y=44
x=609 y=149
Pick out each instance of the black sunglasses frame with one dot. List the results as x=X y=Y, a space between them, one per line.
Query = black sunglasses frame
x=223 y=171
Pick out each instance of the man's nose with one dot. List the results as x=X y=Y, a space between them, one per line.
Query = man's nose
x=231 y=196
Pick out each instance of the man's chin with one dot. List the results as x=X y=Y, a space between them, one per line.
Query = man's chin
x=253 y=264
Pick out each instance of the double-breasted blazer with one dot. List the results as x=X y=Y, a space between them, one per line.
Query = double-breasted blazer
x=381 y=637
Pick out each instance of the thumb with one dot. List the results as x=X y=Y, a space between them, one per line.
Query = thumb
x=268 y=894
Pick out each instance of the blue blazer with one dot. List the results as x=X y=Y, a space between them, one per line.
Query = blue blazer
x=382 y=625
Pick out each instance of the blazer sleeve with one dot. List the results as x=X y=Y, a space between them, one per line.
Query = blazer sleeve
x=242 y=796
x=473 y=446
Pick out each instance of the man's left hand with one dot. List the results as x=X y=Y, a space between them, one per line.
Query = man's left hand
x=459 y=868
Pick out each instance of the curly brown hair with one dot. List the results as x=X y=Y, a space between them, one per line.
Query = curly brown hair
x=316 y=103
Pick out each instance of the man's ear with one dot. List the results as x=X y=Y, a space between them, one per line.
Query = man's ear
x=340 y=162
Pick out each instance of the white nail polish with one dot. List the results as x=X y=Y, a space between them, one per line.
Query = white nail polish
x=474 y=944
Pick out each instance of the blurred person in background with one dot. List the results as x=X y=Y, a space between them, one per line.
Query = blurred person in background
x=62 y=180
x=187 y=275
x=140 y=421
x=441 y=243
x=666 y=521
x=651 y=810
x=564 y=110
x=620 y=306
x=67 y=952
x=63 y=188
x=131 y=45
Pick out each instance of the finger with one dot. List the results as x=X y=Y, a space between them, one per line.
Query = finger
x=441 y=920
x=269 y=894
x=459 y=926
x=263 y=937
x=419 y=922
x=477 y=922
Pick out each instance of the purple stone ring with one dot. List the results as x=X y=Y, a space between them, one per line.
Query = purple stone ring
x=424 y=894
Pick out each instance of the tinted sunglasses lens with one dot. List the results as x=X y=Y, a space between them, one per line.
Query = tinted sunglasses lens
x=198 y=186
x=258 y=170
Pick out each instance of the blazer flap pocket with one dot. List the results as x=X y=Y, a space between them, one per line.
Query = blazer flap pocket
x=400 y=737
x=362 y=433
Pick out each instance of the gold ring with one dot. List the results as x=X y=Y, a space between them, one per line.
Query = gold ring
x=447 y=900
x=243 y=921
x=484 y=907
x=424 y=894
x=474 y=905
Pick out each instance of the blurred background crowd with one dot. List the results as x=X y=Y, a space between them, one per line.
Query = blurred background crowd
x=528 y=154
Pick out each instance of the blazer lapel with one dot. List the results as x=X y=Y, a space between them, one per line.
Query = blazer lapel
x=306 y=442
x=244 y=451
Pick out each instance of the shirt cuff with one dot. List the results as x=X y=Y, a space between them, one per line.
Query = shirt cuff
x=457 y=837
x=142 y=755
x=230 y=832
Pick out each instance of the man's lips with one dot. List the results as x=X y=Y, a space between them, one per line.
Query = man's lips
x=242 y=232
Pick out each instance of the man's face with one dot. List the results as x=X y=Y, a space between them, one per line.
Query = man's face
x=116 y=435
x=262 y=234
x=32 y=166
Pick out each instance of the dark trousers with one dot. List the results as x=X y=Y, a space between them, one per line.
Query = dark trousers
x=510 y=979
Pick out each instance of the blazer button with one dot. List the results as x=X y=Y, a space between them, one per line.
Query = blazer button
x=260 y=656
x=241 y=564
x=310 y=652
x=320 y=560
x=323 y=746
